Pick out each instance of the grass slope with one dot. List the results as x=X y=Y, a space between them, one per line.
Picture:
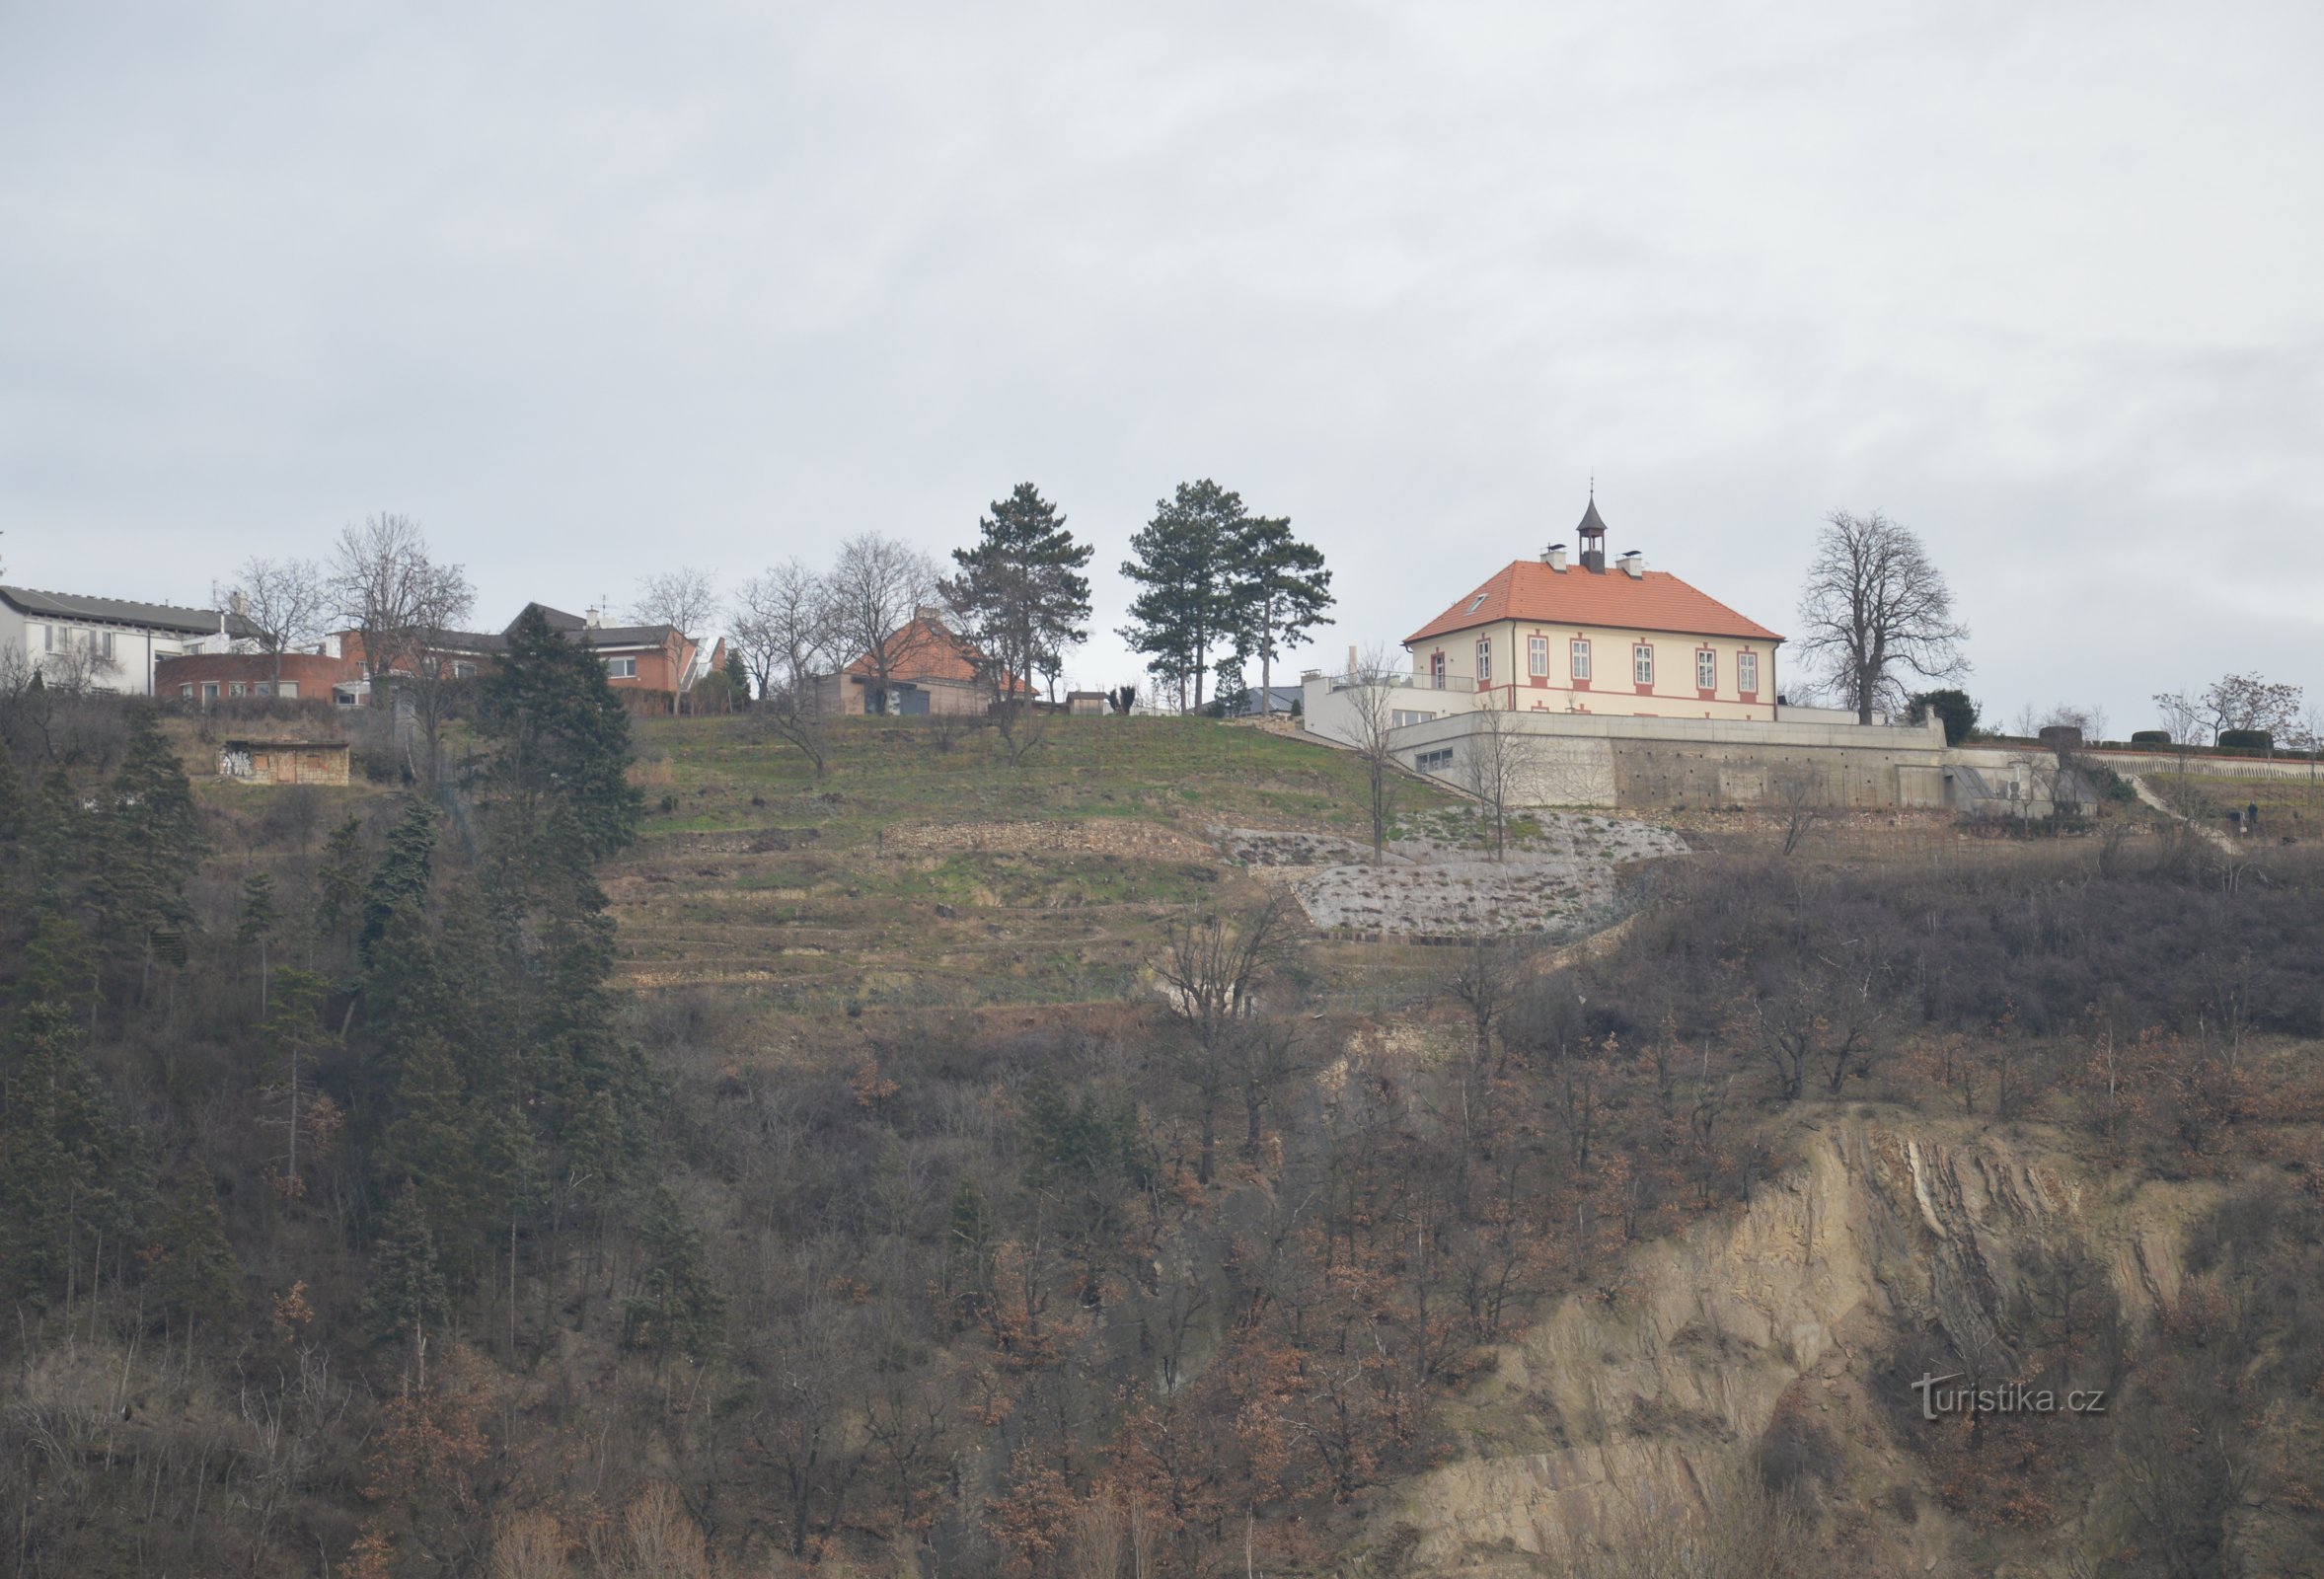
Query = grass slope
x=923 y=870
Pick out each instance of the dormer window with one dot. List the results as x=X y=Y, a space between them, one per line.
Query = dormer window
x=1479 y=602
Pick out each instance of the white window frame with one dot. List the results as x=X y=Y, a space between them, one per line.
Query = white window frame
x=1485 y=661
x=1642 y=663
x=1577 y=657
x=615 y=669
x=1705 y=659
x=1536 y=656
x=1747 y=673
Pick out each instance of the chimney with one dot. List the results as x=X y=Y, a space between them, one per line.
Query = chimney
x=1554 y=556
x=931 y=613
x=593 y=618
x=1351 y=659
x=1633 y=564
x=239 y=604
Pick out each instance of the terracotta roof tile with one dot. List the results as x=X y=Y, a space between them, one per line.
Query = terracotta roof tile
x=1528 y=589
x=926 y=650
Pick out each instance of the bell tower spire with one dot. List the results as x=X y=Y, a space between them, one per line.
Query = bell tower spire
x=1593 y=533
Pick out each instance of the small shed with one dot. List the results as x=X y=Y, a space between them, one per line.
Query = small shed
x=1085 y=704
x=285 y=761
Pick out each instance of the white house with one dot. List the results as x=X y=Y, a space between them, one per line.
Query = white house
x=110 y=644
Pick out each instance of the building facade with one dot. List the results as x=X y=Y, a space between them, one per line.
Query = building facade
x=1580 y=635
x=931 y=669
x=106 y=643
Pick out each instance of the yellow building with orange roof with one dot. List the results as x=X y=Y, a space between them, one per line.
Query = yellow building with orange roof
x=1585 y=636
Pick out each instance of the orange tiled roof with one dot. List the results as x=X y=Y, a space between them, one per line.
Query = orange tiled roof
x=926 y=650
x=1529 y=590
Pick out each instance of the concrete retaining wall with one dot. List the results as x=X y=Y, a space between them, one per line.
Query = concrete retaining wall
x=1655 y=764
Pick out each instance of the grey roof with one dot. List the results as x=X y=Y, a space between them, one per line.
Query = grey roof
x=596 y=635
x=1592 y=523
x=625 y=635
x=112 y=610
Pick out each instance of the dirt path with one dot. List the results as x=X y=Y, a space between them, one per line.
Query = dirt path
x=2217 y=838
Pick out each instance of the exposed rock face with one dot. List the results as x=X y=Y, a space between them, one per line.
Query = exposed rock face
x=1815 y=1302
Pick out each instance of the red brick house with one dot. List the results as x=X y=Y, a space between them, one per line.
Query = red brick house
x=215 y=676
x=933 y=669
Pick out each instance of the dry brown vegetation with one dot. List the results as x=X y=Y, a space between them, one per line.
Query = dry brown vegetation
x=961 y=1249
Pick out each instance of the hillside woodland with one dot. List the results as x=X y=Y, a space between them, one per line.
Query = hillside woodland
x=360 y=1216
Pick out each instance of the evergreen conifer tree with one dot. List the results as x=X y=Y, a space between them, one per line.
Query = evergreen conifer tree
x=1020 y=593
x=433 y=1140
x=70 y=1179
x=255 y=927
x=1279 y=590
x=197 y=1273
x=1184 y=560
x=402 y=876
x=338 y=897
x=406 y=1295
x=677 y=1306
x=559 y=776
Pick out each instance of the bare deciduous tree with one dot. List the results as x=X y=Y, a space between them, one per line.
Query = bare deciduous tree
x=2231 y=701
x=1371 y=695
x=1212 y=970
x=384 y=585
x=1499 y=769
x=282 y=604
x=874 y=590
x=1800 y=804
x=782 y=627
x=1876 y=608
x=685 y=599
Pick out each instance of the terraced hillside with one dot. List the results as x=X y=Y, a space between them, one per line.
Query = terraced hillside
x=922 y=870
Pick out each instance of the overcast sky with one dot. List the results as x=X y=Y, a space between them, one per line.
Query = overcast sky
x=592 y=289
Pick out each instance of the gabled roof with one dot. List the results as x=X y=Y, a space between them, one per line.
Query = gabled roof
x=926 y=649
x=596 y=635
x=1529 y=590
x=112 y=610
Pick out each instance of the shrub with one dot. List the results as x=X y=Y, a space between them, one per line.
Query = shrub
x=2246 y=740
x=1955 y=707
x=2151 y=737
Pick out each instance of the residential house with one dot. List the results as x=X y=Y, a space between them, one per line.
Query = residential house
x=932 y=668
x=654 y=663
x=109 y=643
x=1582 y=635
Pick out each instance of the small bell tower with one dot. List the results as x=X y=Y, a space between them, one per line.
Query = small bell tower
x=1593 y=535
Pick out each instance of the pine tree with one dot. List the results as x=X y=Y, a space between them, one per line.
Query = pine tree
x=256 y=928
x=434 y=1141
x=60 y=964
x=70 y=1175
x=559 y=777
x=152 y=847
x=293 y=1035
x=1279 y=589
x=1021 y=592
x=1184 y=560
x=338 y=894
x=406 y=1295
x=739 y=675
x=677 y=1306
x=402 y=876
x=60 y=835
x=197 y=1273
x=14 y=804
